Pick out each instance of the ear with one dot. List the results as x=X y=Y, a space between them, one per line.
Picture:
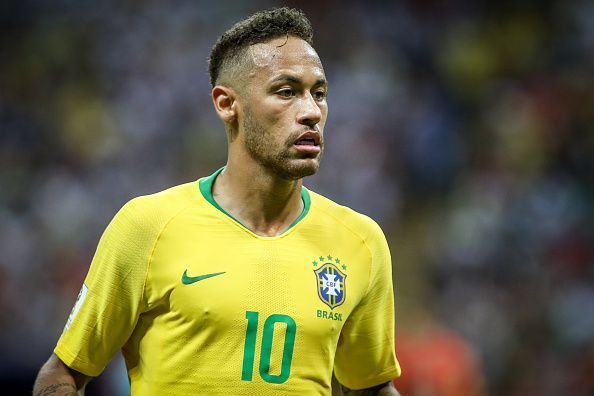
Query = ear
x=225 y=103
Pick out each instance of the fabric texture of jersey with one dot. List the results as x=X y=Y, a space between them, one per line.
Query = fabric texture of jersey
x=199 y=304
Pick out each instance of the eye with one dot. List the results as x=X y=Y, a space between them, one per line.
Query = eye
x=320 y=95
x=285 y=93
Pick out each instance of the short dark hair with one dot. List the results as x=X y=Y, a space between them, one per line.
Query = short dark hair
x=257 y=28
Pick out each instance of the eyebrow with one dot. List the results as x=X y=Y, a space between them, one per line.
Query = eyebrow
x=296 y=80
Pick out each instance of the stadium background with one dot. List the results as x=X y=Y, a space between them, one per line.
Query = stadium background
x=466 y=128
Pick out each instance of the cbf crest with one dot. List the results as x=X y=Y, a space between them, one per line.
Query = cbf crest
x=331 y=284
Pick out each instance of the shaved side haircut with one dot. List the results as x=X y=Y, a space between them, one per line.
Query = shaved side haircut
x=228 y=54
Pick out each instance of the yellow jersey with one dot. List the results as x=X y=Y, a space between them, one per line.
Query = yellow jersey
x=199 y=304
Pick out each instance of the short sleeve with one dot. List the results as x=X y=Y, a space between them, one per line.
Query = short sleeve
x=365 y=354
x=112 y=296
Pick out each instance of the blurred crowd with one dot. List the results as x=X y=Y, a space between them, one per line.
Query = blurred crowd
x=466 y=128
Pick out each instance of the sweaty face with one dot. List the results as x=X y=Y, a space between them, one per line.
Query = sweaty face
x=285 y=108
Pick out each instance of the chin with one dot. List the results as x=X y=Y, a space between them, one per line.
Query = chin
x=298 y=169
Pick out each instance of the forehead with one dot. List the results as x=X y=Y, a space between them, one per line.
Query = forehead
x=284 y=55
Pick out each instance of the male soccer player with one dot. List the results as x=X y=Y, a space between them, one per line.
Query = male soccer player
x=243 y=282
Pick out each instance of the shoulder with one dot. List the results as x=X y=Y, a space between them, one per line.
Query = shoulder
x=164 y=203
x=152 y=212
x=357 y=223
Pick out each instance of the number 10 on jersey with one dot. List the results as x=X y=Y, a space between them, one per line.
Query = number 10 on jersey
x=266 y=349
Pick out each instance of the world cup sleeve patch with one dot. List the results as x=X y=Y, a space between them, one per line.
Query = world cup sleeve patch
x=82 y=294
x=331 y=285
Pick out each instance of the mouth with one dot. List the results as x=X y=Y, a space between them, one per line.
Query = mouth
x=308 y=139
x=308 y=144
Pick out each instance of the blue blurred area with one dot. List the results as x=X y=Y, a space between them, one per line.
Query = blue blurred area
x=466 y=128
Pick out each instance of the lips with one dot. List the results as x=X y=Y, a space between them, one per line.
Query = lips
x=308 y=144
x=309 y=138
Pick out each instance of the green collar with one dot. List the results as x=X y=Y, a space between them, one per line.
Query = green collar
x=206 y=190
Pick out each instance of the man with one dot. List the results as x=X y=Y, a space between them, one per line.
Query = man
x=244 y=282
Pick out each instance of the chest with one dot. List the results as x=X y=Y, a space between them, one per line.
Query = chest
x=211 y=276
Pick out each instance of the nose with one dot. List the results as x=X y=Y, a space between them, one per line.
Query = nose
x=310 y=113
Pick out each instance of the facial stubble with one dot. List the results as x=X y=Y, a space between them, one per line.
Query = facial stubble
x=278 y=160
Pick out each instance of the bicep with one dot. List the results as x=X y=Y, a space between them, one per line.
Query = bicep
x=80 y=379
x=56 y=375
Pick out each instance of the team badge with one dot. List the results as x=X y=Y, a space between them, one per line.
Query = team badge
x=331 y=285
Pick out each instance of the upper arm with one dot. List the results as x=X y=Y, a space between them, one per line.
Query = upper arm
x=385 y=389
x=79 y=378
x=55 y=372
x=112 y=296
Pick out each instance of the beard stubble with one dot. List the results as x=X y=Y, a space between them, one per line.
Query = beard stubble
x=274 y=156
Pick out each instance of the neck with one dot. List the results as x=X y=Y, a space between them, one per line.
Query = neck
x=261 y=201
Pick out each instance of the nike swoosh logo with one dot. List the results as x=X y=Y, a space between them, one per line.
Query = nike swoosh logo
x=188 y=280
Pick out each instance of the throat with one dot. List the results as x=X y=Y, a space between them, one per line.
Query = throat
x=267 y=220
x=266 y=209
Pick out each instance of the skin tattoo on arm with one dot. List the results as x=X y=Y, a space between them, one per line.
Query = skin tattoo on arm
x=52 y=389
